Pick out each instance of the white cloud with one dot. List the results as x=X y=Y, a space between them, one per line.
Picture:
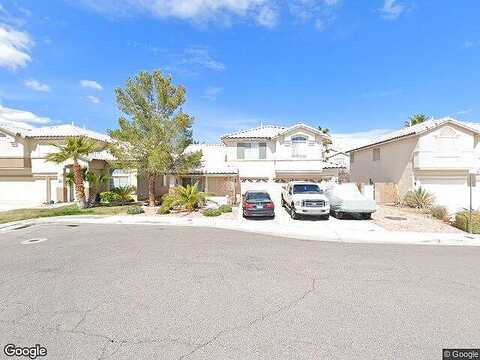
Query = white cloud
x=212 y=92
x=21 y=118
x=93 y=99
x=268 y=17
x=200 y=56
x=348 y=141
x=92 y=84
x=392 y=9
x=320 y=12
x=14 y=48
x=265 y=13
x=197 y=10
x=37 y=85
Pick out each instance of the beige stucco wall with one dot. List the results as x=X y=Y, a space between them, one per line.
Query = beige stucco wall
x=394 y=165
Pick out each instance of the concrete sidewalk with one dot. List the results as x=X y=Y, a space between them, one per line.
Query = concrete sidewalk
x=339 y=231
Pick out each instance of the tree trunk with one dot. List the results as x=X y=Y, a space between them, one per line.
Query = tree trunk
x=92 y=196
x=79 y=187
x=151 y=190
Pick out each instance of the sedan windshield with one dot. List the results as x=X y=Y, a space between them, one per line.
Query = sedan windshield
x=257 y=196
x=306 y=189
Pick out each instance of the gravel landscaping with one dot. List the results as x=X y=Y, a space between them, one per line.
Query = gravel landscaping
x=393 y=218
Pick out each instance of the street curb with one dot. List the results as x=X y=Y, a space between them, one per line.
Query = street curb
x=371 y=237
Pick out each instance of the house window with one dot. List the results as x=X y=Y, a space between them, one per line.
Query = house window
x=352 y=158
x=376 y=154
x=262 y=151
x=242 y=148
x=119 y=178
x=447 y=140
x=299 y=146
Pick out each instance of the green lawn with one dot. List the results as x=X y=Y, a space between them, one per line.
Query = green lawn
x=23 y=214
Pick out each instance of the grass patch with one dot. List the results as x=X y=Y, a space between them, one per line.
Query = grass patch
x=24 y=214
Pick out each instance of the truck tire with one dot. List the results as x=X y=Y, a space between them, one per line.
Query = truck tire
x=325 y=217
x=366 y=216
x=293 y=213
x=284 y=204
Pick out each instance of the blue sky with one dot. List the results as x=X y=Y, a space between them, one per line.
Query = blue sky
x=354 y=66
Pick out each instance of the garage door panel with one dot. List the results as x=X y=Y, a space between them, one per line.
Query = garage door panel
x=25 y=191
x=452 y=193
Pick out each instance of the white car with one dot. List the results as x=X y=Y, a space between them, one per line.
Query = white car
x=305 y=198
x=347 y=199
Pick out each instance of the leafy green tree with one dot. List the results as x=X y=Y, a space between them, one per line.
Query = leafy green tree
x=416 y=119
x=153 y=129
x=73 y=149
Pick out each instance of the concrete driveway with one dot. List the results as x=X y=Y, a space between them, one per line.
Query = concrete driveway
x=152 y=292
x=307 y=223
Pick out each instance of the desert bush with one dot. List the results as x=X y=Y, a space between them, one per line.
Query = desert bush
x=135 y=210
x=187 y=198
x=462 y=219
x=418 y=199
x=163 y=210
x=124 y=193
x=225 y=209
x=212 y=212
x=109 y=197
x=440 y=212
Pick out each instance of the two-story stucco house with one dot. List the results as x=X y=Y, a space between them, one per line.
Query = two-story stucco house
x=437 y=155
x=26 y=178
x=265 y=153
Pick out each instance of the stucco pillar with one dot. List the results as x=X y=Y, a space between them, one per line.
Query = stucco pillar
x=60 y=188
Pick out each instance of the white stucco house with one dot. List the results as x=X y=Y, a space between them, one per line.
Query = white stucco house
x=437 y=155
x=263 y=154
x=26 y=178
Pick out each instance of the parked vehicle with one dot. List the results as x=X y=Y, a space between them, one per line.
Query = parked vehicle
x=347 y=199
x=258 y=204
x=305 y=198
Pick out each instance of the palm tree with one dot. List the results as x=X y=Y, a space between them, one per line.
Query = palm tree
x=73 y=149
x=95 y=181
x=416 y=119
x=187 y=197
x=324 y=130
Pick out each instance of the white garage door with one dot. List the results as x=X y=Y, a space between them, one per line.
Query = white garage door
x=449 y=192
x=23 y=192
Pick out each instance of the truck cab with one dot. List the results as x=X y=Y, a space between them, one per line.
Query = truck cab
x=305 y=198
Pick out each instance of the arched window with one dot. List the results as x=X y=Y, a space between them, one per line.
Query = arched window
x=447 y=140
x=299 y=146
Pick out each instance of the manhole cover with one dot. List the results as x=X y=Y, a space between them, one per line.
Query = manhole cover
x=33 y=241
x=396 y=218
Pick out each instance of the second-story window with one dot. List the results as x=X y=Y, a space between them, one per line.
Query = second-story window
x=376 y=154
x=262 y=151
x=299 y=146
x=242 y=149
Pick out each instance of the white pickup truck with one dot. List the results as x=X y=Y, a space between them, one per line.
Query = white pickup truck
x=305 y=198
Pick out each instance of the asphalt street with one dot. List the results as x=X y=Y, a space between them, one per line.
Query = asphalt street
x=156 y=292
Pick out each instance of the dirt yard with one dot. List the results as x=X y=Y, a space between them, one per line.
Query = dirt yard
x=404 y=219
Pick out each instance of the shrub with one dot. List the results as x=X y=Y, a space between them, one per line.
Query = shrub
x=462 y=219
x=418 y=199
x=187 y=197
x=163 y=210
x=212 y=212
x=109 y=197
x=225 y=209
x=135 y=210
x=440 y=212
x=124 y=193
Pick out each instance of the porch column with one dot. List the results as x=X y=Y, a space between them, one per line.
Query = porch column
x=60 y=186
